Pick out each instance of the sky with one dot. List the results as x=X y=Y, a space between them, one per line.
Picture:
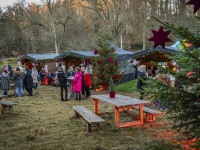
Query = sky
x=4 y=3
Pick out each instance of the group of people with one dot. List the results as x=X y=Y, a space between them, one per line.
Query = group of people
x=78 y=86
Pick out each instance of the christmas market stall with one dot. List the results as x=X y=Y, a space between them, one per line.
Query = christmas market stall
x=157 y=55
x=77 y=57
x=39 y=61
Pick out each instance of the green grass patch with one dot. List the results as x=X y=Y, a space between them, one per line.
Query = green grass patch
x=163 y=146
x=127 y=87
x=10 y=61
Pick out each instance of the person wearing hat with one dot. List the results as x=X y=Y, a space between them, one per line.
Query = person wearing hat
x=5 y=83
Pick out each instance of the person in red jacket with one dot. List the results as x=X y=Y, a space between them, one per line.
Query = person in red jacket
x=87 y=80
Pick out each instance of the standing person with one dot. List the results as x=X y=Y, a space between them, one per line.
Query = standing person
x=77 y=83
x=63 y=83
x=5 y=83
x=35 y=78
x=87 y=81
x=42 y=74
x=10 y=70
x=18 y=82
x=48 y=76
x=142 y=74
x=70 y=73
x=28 y=81
x=83 y=86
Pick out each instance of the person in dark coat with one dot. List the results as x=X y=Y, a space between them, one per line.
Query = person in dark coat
x=28 y=81
x=10 y=70
x=63 y=83
x=5 y=83
x=42 y=74
x=70 y=72
x=142 y=74
x=18 y=82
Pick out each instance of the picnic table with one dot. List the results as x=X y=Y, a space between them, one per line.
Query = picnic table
x=121 y=102
x=70 y=91
x=1 y=97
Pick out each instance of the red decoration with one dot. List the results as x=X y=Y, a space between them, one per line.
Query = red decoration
x=131 y=60
x=113 y=49
x=56 y=60
x=116 y=77
x=62 y=60
x=198 y=101
x=160 y=37
x=116 y=63
x=109 y=59
x=95 y=52
x=108 y=68
x=143 y=56
x=196 y=4
x=99 y=40
x=88 y=60
x=98 y=76
x=135 y=66
x=60 y=64
x=100 y=62
x=140 y=61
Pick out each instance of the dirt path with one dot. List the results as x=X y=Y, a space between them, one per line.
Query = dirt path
x=44 y=122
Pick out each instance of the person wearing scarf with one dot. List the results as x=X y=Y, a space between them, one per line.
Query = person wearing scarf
x=5 y=83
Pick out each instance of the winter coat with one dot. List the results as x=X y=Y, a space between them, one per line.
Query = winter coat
x=28 y=80
x=140 y=83
x=70 y=74
x=18 y=78
x=62 y=78
x=163 y=78
x=77 y=83
x=87 y=80
x=56 y=81
x=35 y=76
x=5 y=83
x=42 y=74
x=48 y=76
x=83 y=78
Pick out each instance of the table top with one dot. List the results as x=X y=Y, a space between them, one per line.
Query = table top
x=120 y=100
x=70 y=78
x=2 y=96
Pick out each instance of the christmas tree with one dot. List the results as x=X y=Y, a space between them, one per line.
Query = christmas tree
x=105 y=64
x=181 y=99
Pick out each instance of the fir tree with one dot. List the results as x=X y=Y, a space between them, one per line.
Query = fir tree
x=105 y=64
x=181 y=98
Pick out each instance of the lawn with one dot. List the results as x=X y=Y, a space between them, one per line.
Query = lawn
x=10 y=61
x=127 y=87
x=44 y=122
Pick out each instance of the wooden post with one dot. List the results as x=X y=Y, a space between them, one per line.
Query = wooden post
x=154 y=117
x=0 y=107
x=117 y=117
x=96 y=106
x=147 y=117
x=88 y=127
x=141 y=114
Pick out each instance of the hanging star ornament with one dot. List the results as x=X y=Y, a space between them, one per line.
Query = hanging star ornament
x=160 y=37
x=196 y=4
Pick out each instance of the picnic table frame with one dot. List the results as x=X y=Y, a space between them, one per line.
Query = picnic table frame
x=121 y=102
x=1 y=97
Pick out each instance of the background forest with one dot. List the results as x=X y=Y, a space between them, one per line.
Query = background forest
x=65 y=25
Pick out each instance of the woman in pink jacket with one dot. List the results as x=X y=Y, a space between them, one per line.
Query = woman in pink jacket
x=77 y=83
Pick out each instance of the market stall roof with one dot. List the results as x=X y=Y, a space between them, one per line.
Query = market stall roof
x=121 y=54
x=171 y=50
x=39 y=57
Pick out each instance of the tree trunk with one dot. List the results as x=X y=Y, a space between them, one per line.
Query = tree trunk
x=144 y=25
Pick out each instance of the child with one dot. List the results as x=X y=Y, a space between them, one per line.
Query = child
x=77 y=83
x=87 y=81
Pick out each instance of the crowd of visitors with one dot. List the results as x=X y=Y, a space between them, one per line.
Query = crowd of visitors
x=24 y=78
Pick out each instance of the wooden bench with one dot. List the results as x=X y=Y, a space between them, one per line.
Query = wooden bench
x=6 y=104
x=150 y=113
x=88 y=117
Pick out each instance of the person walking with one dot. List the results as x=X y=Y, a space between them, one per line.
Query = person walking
x=77 y=83
x=18 y=82
x=63 y=83
x=5 y=83
x=142 y=74
x=42 y=74
x=28 y=81
x=87 y=81
x=70 y=73
x=35 y=78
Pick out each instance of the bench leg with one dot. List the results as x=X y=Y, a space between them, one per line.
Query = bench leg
x=153 y=117
x=76 y=114
x=4 y=109
x=148 y=117
x=10 y=109
x=88 y=127
x=117 y=117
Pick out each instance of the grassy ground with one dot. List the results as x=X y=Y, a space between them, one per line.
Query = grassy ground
x=9 y=61
x=44 y=122
x=127 y=87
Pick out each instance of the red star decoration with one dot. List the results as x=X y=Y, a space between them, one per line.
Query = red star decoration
x=116 y=77
x=109 y=59
x=88 y=60
x=95 y=52
x=100 y=62
x=160 y=37
x=196 y=4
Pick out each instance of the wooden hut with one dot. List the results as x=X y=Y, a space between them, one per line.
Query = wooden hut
x=157 y=55
x=45 y=61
